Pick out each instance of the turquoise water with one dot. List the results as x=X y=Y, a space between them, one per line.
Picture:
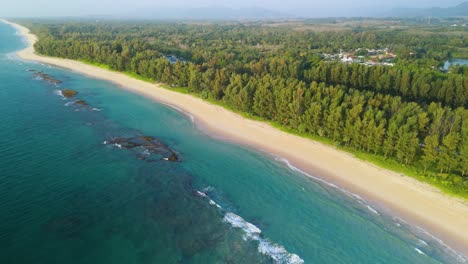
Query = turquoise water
x=65 y=197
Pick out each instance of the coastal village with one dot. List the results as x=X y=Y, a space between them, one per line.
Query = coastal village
x=368 y=57
x=173 y=59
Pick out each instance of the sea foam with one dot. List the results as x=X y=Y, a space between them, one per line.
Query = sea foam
x=448 y=250
x=59 y=93
x=419 y=251
x=276 y=252
x=266 y=247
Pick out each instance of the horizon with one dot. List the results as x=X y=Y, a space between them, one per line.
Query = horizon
x=146 y=8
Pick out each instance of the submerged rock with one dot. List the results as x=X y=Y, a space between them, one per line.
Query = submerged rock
x=68 y=93
x=173 y=157
x=147 y=138
x=148 y=147
x=81 y=102
x=47 y=78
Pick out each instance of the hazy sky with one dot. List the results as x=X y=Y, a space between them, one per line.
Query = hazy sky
x=13 y=8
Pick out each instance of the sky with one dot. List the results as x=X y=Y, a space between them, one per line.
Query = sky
x=39 y=8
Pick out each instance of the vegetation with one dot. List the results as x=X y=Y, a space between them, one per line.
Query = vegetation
x=411 y=117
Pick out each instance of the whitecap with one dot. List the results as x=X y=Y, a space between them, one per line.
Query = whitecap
x=214 y=203
x=422 y=242
x=296 y=169
x=251 y=231
x=201 y=194
x=453 y=253
x=459 y=257
x=276 y=252
x=118 y=145
x=372 y=210
x=419 y=251
x=192 y=118
x=175 y=107
x=358 y=198
x=208 y=189
x=59 y=93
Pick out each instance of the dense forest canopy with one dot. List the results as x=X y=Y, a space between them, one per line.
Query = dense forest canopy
x=412 y=112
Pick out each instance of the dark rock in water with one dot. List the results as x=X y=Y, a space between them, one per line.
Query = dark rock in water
x=47 y=78
x=32 y=70
x=173 y=157
x=146 y=146
x=81 y=102
x=147 y=138
x=67 y=93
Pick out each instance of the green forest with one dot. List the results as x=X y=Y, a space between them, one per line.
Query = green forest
x=411 y=117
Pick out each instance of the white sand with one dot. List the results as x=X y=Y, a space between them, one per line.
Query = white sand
x=415 y=202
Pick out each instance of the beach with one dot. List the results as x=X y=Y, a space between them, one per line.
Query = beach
x=417 y=203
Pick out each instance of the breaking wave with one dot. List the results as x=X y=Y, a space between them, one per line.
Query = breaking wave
x=419 y=251
x=59 y=93
x=418 y=231
x=275 y=251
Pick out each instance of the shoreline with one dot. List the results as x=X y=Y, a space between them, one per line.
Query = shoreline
x=416 y=203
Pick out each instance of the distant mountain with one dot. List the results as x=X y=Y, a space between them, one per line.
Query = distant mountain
x=459 y=10
x=207 y=13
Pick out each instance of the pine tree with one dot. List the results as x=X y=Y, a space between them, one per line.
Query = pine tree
x=430 y=151
x=448 y=156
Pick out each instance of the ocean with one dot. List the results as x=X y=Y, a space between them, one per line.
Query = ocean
x=108 y=176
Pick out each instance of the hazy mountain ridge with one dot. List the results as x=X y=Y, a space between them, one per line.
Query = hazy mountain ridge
x=254 y=12
x=459 y=10
x=211 y=12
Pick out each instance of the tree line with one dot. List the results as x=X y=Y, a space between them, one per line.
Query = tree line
x=412 y=113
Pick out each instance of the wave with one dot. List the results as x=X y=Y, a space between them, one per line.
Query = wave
x=192 y=118
x=208 y=189
x=202 y=194
x=419 y=251
x=398 y=221
x=117 y=145
x=59 y=93
x=356 y=197
x=251 y=232
x=422 y=242
x=372 y=210
x=459 y=257
x=296 y=169
x=276 y=252
x=12 y=56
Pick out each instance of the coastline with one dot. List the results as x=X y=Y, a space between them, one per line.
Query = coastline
x=415 y=202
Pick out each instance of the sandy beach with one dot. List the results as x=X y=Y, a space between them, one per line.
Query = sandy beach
x=415 y=202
